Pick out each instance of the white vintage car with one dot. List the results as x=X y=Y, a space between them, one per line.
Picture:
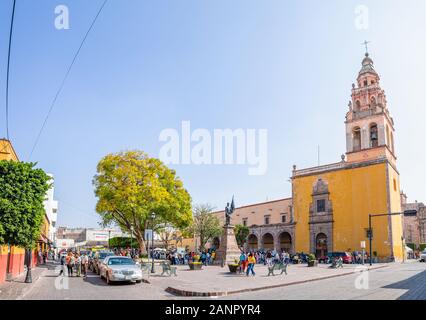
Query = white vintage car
x=423 y=256
x=123 y=269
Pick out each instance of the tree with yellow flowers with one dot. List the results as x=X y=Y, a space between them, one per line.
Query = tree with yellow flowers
x=130 y=186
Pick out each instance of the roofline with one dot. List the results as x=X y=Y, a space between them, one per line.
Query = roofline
x=257 y=204
x=11 y=146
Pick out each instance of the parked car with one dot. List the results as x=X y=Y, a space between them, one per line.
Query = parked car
x=98 y=258
x=423 y=256
x=346 y=256
x=123 y=269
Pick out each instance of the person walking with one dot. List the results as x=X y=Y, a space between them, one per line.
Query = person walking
x=251 y=262
x=243 y=262
x=78 y=264
x=69 y=262
x=62 y=266
x=268 y=260
x=84 y=262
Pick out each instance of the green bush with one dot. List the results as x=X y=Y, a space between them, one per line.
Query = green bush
x=411 y=245
x=121 y=242
x=311 y=257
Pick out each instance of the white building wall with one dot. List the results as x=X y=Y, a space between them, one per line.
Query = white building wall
x=51 y=208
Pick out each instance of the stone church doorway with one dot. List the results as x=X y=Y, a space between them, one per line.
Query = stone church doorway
x=321 y=245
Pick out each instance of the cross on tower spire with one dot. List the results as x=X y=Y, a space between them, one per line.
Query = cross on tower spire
x=365 y=43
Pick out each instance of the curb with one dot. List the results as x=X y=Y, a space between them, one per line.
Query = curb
x=185 y=293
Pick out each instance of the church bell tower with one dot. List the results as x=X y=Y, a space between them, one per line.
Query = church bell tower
x=369 y=126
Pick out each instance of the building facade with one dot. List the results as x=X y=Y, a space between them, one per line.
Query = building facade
x=330 y=204
x=270 y=223
x=88 y=236
x=51 y=208
x=414 y=226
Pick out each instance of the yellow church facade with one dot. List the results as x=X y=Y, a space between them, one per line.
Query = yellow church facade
x=332 y=205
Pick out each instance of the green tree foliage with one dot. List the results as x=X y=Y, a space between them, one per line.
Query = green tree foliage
x=131 y=185
x=121 y=242
x=241 y=234
x=205 y=225
x=22 y=193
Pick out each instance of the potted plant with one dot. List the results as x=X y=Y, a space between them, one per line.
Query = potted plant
x=196 y=264
x=312 y=261
x=233 y=267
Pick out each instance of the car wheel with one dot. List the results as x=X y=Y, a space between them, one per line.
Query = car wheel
x=138 y=281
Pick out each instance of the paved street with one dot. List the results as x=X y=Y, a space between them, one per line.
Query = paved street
x=398 y=281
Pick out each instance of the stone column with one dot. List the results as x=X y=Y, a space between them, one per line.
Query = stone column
x=277 y=244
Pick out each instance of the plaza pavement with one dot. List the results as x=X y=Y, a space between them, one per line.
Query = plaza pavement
x=218 y=281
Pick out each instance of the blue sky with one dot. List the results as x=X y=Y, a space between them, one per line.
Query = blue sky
x=284 y=66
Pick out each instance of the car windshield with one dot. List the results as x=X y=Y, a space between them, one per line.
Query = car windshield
x=103 y=255
x=120 y=261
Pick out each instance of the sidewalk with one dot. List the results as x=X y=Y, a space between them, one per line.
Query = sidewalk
x=17 y=288
x=217 y=281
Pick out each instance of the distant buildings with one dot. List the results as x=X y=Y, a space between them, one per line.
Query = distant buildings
x=82 y=237
x=414 y=226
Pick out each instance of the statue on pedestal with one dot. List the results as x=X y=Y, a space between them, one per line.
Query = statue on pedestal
x=228 y=251
x=229 y=210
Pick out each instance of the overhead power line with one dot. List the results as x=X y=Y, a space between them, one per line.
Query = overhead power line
x=8 y=68
x=65 y=79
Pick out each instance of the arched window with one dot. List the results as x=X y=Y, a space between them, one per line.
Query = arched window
x=356 y=138
x=374 y=136
x=392 y=143
x=373 y=101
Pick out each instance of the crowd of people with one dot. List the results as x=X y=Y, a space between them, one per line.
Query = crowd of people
x=126 y=252
x=206 y=257
x=75 y=263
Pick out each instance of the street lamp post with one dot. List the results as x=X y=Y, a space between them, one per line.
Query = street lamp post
x=109 y=239
x=131 y=238
x=28 y=278
x=152 y=242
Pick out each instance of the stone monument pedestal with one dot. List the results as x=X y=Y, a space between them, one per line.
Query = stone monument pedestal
x=228 y=248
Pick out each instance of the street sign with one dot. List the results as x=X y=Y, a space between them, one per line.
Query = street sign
x=410 y=213
x=362 y=244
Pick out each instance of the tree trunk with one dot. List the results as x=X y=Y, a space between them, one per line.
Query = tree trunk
x=141 y=244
